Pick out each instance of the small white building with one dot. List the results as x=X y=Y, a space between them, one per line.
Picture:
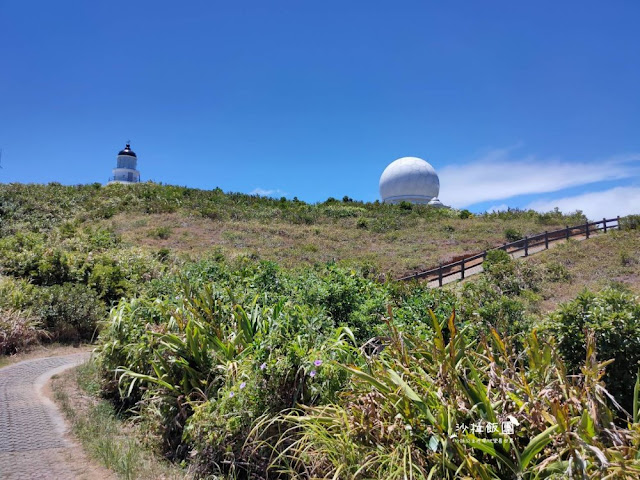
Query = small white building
x=410 y=179
x=126 y=167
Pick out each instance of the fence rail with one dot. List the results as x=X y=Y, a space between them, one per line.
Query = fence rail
x=460 y=265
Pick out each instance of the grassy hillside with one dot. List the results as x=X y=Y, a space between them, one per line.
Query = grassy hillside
x=393 y=239
x=594 y=264
x=561 y=273
x=257 y=338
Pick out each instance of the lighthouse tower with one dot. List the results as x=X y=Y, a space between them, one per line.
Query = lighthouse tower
x=126 y=169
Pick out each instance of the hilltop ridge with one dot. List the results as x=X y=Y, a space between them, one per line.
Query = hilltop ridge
x=393 y=239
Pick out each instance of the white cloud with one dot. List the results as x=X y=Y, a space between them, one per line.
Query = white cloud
x=263 y=192
x=503 y=207
x=498 y=176
x=596 y=205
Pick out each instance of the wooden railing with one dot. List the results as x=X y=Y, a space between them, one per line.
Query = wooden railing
x=459 y=266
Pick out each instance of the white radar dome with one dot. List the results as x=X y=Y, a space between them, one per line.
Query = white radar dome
x=409 y=179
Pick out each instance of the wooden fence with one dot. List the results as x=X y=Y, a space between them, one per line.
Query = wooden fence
x=459 y=266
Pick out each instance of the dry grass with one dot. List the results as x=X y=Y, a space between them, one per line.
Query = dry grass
x=414 y=245
x=115 y=443
x=18 y=331
x=593 y=264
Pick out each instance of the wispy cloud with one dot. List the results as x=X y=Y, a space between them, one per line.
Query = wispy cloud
x=503 y=207
x=596 y=205
x=500 y=175
x=264 y=192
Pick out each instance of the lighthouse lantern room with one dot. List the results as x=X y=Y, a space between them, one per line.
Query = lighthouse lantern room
x=126 y=168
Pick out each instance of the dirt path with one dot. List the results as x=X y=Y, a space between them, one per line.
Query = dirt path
x=33 y=440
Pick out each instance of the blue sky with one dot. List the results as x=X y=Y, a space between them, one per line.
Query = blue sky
x=521 y=104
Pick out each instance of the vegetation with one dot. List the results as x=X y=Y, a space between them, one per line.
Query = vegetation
x=101 y=432
x=613 y=318
x=18 y=331
x=247 y=369
x=457 y=407
x=251 y=337
x=392 y=238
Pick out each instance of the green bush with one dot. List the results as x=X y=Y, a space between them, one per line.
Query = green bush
x=162 y=233
x=557 y=272
x=614 y=318
x=484 y=305
x=108 y=279
x=512 y=235
x=464 y=214
x=495 y=257
x=630 y=222
x=419 y=409
x=509 y=276
x=69 y=312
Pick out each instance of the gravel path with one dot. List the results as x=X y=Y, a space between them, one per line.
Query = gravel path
x=32 y=432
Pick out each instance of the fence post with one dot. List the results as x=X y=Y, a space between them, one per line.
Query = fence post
x=462 y=269
x=567 y=231
x=440 y=275
x=526 y=246
x=604 y=221
x=586 y=225
x=546 y=240
x=618 y=222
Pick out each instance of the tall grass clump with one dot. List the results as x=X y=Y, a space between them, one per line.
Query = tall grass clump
x=18 y=331
x=202 y=364
x=459 y=407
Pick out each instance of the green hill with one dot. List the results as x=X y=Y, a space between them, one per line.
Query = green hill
x=392 y=239
x=253 y=335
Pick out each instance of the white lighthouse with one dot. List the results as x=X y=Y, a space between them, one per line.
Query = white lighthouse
x=126 y=168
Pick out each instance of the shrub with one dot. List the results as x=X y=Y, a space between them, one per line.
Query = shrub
x=627 y=259
x=108 y=279
x=69 y=312
x=342 y=211
x=163 y=254
x=614 y=318
x=54 y=268
x=509 y=276
x=420 y=409
x=162 y=233
x=512 y=235
x=483 y=305
x=18 y=331
x=102 y=238
x=630 y=222
x=362 y=223
x=197 y=350
x=557 y=272
x=464 y=214
x=495 y=257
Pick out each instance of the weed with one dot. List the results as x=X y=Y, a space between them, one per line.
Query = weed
x=512 y=235
x=162 y=233
x=18 y=331
x=103 y=434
